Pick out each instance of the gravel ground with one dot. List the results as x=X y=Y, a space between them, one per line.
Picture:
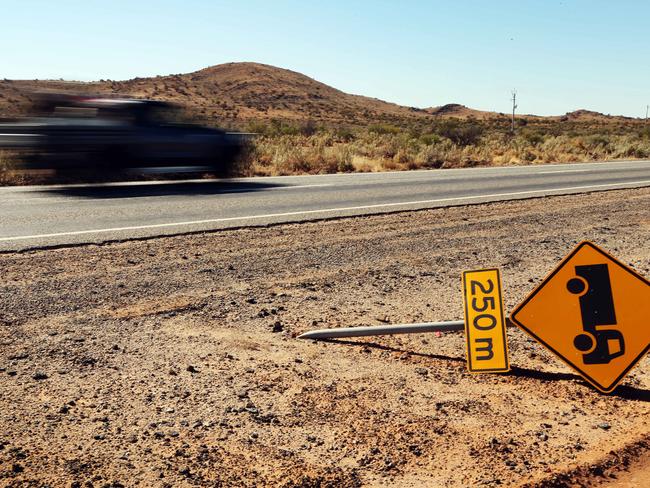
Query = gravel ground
x=174 y=362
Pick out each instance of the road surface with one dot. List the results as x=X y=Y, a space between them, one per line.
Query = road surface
x=40 y=216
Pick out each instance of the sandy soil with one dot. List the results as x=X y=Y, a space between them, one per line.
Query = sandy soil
x=174 y=362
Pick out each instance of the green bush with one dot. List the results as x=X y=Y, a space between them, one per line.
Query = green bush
x=598 y=140
x=460 y=133
x=533 y=138
x=430 y=139
x=384 y=129
x=344 y=134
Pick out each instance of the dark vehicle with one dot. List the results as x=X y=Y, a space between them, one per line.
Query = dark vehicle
x=594 y=289
x=75 y=135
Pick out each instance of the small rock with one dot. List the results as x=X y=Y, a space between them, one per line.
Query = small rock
x=39 y=375
x=18 y=356
x=19 y=453
x=277 y=326
x=242 y=393
x=415 y=449
x=168 y=410
x=604 y=426
x=192 y=369
x=422 y=371
x=364 y=461
x=87 y=361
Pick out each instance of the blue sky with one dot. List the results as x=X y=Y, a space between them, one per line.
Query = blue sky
x=559 y=55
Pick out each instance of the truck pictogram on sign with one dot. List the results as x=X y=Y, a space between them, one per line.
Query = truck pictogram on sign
x=592 y=312
x=598 y=344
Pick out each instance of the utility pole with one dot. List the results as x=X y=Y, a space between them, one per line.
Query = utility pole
x=646 y=113
x=514 y=106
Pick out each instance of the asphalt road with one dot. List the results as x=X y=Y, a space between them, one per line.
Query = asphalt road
x=39 y=216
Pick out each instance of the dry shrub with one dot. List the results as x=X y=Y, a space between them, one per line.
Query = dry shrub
x=383 y=147
x=390 y=165
x=401 y=157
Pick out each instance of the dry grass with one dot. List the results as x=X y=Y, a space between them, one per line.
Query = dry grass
x=365 y=150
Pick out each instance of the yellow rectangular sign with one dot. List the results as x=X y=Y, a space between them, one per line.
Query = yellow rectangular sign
x=485 y=329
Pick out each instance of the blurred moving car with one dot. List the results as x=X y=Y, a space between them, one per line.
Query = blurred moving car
x=82 y=134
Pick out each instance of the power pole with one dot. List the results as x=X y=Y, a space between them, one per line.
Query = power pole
x=514 y=106
x=646 y=113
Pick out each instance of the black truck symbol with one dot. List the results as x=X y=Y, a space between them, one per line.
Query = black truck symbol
x=594 y=289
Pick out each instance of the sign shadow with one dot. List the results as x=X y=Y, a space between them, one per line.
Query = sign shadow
x=626 y=392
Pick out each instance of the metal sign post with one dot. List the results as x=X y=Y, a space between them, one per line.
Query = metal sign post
x=376 y=330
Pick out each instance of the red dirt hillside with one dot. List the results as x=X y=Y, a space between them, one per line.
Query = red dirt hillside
x=244 y=91
x=229 y=91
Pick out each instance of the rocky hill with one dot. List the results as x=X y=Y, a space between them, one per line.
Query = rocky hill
x=250 y=91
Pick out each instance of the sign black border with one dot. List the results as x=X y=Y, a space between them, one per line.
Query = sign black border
x=614 y=384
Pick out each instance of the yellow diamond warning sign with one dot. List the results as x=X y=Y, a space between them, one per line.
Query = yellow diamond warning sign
x=593 y=312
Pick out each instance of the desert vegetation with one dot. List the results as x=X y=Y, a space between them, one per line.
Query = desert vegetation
x=284 y=148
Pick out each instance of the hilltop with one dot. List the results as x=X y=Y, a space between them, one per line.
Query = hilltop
x=229 y=91
x=254 y=91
